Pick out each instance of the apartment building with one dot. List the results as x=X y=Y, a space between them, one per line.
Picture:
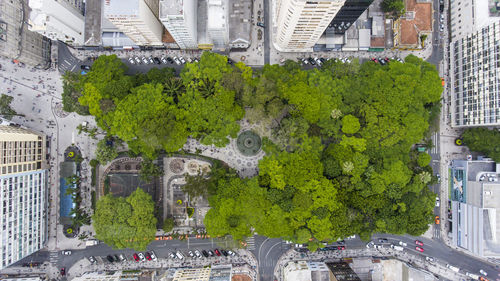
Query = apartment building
x=138 y=19
x=468 y=16
x=23 y=192
x=475 y=78
x=17 y=41
x=298 y=24
x=348 y=14
x=57 y=20
x=180 y=19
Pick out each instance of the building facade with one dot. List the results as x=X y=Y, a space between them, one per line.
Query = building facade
x=137 y=19
x=180 y=19
x=298 y=24
x=23 y=193
x=217 y=27
x=57 y=20
x=475 y=79
x=17 y=41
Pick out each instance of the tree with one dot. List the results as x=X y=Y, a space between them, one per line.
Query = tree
x=6 y=110
x=149 y=170
x=125 y=222
x=72 y=91
x=483 y=140
x=196 y=186
x=350 y=124
x=424 y=159
x=394 y=7
x=105 y=151
x=168 y=224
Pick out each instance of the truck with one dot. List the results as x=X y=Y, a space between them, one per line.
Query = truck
x=397 y=248
x=91 y=242
x=454 y=268
x=472 y=275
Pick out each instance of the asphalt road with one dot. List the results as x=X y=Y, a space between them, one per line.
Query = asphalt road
x=267 y=32
x=437 y=40
x=268 y=251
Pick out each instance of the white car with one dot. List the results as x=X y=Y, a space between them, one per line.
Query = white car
x=191 y=254
x=163 y=60
x=401 y=243
x=66 y=253
x=483 y=272
x=151 y=61
x=231 y=253
x=131 y=60
x=183 y=61
x=137 y=60
x=141 y=257
x=437 y=201
x=145 y=60
x=370 y=244
x=153 y=256
x=197 y=253
x=177 y=61
x=378 y=246
x=429 y=259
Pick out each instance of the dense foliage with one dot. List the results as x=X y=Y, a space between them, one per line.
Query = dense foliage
x=6 y=110
x=483 y=140
x=339 y=159
x=125 y=222
x=394 y=8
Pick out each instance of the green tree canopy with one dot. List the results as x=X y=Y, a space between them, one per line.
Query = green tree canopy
x=483 y=140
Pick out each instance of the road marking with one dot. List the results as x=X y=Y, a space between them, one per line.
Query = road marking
x=250 y=243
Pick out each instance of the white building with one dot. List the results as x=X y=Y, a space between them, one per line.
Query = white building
x=475 y=78
x=217 y=27
x=180 y=19
x=298 y=24
x=467 y=16
x=307 y=271
x=23 y=191
x=57 y=20
x=138 y=19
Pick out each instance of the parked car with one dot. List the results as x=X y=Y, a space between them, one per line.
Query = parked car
x=231 y=253
x=163 y=60
x=177 y=61
x=437 y=220
x=92 y=259
x=197 y=253
x=122 y=257
x=110 y=258
x=224 y=252
x=137 y=60
x=261 y=24
x=305 y=61
x=156 y=60
x=378 y=246
x=418 y=242
x=340 y=248
x=63 y=271
x=131 y=60
x=369 y=244
x=151 y=61
x=179 y=255
x=401 y=243
x=145 y=60
x=117 y=258
x=183 y=61
x=153 y=256
x=171 y=255
x=170 y=60
x=341 y=242
x=383 y=240
x=211 y=253
x=217 y=252
x=483 y=272
x=141 y=257
x=419 y=249
x=136 y=257
x=85 y=67
x=311 y=61
x=205 y=253
x=429 y=259
x=148 y=256
x=66 y=253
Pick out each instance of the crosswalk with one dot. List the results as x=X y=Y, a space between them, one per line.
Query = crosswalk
x=437 y=233
x=250 y=243
x=435 y=142
x=54 y=257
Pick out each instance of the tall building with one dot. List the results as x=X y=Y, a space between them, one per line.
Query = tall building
x=475 y=207
x=180 y=19
x=138 y=19
x=217 y=27
x=298 y=24
x=348 y=14
x=23 y=191
x=468 y=16
x=475 y=78
x=17 y=41
x=199 y=273
x=57 y=20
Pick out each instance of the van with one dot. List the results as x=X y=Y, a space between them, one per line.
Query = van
x=397 y=248
x=179 y=255
x=454 y=268
x=473 y=276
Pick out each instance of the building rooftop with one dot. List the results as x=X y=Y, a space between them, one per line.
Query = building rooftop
x=240 y=20
x=121 y=7
x=216 y=14
x=418 y=19
x=171 y=7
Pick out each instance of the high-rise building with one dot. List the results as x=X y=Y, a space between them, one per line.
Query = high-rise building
x=57 y=20
x=23 y=191
x=217 y=27
x=180 y=19
x=348 y=14
x=17 y=41
x=475 y=78
x=138 y=19
x=467 y=16
x=298 y=24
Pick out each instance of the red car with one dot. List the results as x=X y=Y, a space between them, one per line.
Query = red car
x=63 y=271
x=420 y=243
x=136 y=257
x=217 y=252
x=340 y=248
x=419 y=249
x=148 y=256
